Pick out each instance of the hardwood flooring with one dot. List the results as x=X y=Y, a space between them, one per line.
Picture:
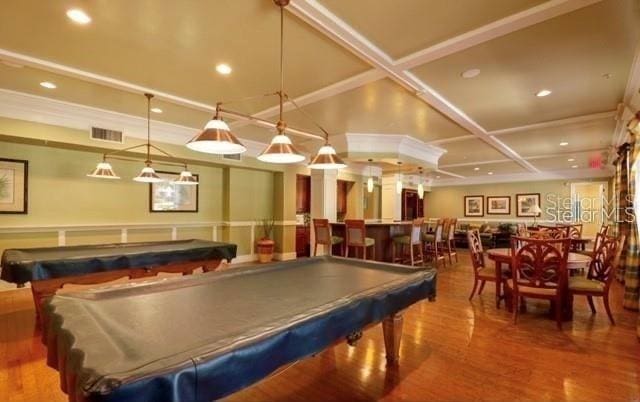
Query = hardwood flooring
x=452 y=350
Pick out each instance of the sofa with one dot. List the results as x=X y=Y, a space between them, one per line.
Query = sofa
x=492 y=235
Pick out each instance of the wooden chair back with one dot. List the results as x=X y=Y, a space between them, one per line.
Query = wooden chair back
x=575 y=231
x=553 y=232
x=475 y=250
x=438 y=232
x=521 y=230
x=606 y=259
x=453 y=222
x=416 y=230
x=604 y=229
x=539 y=263
x=355 y=232
x=322 y=231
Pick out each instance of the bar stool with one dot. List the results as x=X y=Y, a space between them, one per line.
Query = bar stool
x=450 y=240
x=433 y=244
x=322 y=230
x=357 y=237
x=412 y=240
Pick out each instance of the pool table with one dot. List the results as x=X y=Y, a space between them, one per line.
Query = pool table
x=202 y=337
x=50 y=268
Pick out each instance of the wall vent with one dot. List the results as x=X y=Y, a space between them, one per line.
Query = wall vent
x=233 y=157
x=104 y=134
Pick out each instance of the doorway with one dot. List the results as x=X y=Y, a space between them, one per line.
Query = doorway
x=587 y=201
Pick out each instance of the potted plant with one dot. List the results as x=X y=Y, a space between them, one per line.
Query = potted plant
x=265 y=244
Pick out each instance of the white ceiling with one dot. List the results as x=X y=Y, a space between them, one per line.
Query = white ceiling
x=356 y=67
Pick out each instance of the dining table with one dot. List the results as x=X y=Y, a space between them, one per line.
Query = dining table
x=500 y=256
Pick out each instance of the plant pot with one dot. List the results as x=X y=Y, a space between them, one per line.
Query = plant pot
x=265 y=250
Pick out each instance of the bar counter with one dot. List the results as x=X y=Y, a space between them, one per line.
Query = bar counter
x=380 y=230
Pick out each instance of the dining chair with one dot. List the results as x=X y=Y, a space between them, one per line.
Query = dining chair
x=575 y=232
x=322 y=231
x=481 y=272
x=412 y=240
x=604 y=229
x=596 y=245
x=450 y=240
x=539 y=270
x=602 y=270
x=434 y=244
x=356 y=233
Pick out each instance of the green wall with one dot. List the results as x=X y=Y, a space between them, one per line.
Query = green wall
x=61 y=194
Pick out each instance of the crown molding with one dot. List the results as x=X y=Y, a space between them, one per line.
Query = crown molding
x=39 y=109
x=402 y=145
x=565 y=174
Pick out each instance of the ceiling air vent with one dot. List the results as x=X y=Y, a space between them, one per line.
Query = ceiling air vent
x=233 y=157
x=103 y=134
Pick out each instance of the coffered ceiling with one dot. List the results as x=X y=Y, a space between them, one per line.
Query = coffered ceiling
x=392 y=68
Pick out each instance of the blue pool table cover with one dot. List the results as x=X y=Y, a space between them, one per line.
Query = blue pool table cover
x=203 y=337
x=32 y=264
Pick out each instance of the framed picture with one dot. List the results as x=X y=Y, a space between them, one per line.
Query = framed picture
x=13 y=186
x=474 y=205
x=499 y=205
x=168 y=197
x=528 y=205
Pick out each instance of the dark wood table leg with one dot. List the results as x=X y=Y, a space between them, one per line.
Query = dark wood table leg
x=392 y=331
x=498 y=283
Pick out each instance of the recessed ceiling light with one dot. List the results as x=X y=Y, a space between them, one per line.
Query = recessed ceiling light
x=606 y=76
x=78 y=16
x=223 y=69
x=574 y=166
x=543 y=93
x=48 y=85
x=490 y=173
x=476 y=168
x=570 y=160
x=471 y=73
x=437 y=177
x=156 y=110
x=564 y=144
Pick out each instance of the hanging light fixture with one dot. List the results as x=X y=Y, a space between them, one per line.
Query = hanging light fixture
x=103 y=171
x=147 y=174
x=370 y=179
x=399 y=181
x=281 y=150
x=420 y=185
x=216 y=138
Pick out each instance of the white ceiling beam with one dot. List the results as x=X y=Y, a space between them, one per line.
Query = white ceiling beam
x=562 y=174
x=457 y=176
x=320 y=94
x=567 y=153
x=504 y=26
x=319 y=17
x=477 y=163
x=556 y=123
x=83 y=75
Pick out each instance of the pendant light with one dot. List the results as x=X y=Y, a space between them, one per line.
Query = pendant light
x=103 y=171
x=370 y=179
x=399 y=181
x=281 y=150
x=147 y=175
x=420 y=185
x=216 y=138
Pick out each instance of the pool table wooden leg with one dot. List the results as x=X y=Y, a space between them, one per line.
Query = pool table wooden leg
x=392 y=331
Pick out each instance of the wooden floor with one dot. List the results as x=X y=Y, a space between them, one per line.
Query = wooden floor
x=452 y=350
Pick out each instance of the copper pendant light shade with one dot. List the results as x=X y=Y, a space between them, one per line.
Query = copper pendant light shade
x=281 y=150
x=327 y=159
x=103 y=171
x=186 y=179
x=216 y=138
x=148 y=175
